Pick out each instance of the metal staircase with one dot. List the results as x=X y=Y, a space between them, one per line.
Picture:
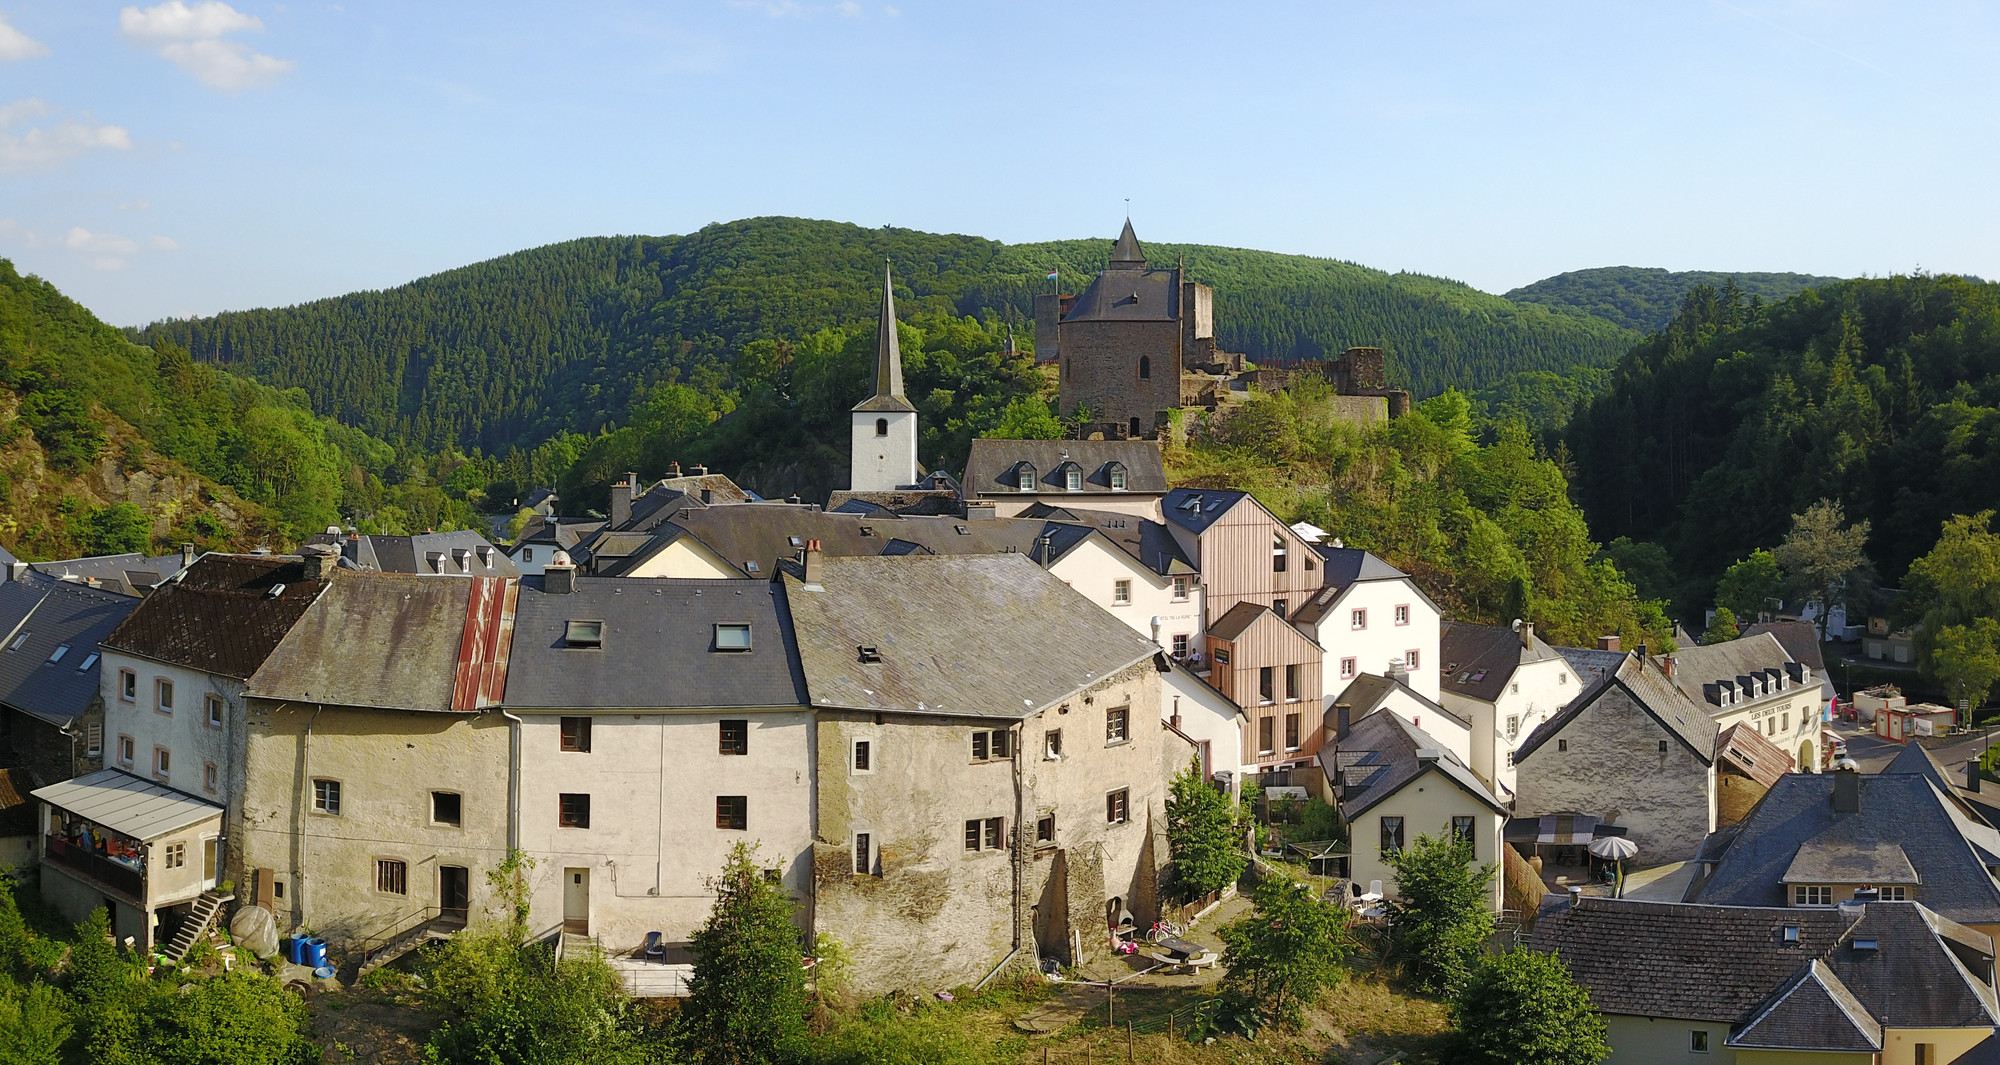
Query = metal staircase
x=207 y=907
x=428 y=925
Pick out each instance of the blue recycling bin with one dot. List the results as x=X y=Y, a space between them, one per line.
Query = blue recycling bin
x=315 y=953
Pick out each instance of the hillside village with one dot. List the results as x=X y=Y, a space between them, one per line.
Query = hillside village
x=948 y=710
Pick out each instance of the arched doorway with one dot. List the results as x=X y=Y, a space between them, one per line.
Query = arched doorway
x=1807 y=764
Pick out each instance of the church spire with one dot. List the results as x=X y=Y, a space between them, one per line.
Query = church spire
x=888 y=358
x=1127 y=254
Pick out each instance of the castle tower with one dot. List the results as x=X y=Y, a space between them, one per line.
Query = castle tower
x=1122 y=346
x=884 y=454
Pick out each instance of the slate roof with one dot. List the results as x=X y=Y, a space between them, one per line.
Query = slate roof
x=1480 y=659
x=1151 y=542
x=220 y=616
x=1697 y=670
x=1591 y=663
x=557 y=532
x=127 y=572
x=1828 y=861
x=1653 y=692
x=129 y=804
x=1731 y=964
x=1383 y=752
x=764 y=533
x=990 y=466
x=658 y=646
x=381 y=640
x=1129 y=294
x=51 y=614
x=955 y=636
x=1366 y=693
x=1946 y=849
x=1800 y=640
x=1343 y=568
x=1237 y=620
x=1813 y=1010
x=1742 y=748
x=888 y=395
x=458 y=553
x=1195 y=509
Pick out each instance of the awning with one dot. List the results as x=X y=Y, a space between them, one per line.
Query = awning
x=1558 y=829
x=129 y=805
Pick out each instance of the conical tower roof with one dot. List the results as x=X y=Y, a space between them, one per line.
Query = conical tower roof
x=1127 y=254
x=888 y=358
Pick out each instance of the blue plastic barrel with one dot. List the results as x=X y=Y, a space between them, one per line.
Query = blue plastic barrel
x=315 y=953
x=295 y=949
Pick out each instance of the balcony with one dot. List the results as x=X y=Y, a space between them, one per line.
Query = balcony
x=124 y=879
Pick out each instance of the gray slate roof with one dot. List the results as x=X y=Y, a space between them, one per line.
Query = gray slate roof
x=385 y=640
x=52 y=614
x=128 y=573
x=128 y=804
x=1697 y=670
x=1367 y=692
x=763 y=534
x=1946 y=849
x=987 y=636
x=1381 y=754
x=1729 y=964
x=1813 y=1010
x=1195 y=509
x=888 y=395
x=1800 y=640
x=1829 y=861
x=1665 y=703
x=1591 y=663
x=990 y=466
x=1479 y=660
x=658 y=650
x=460 y=553
x=1148 y=541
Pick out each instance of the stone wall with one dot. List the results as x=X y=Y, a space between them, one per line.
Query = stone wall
x=1100 y=370
x=1614 y=769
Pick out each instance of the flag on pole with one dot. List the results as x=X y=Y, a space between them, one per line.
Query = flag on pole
x=1052 y=275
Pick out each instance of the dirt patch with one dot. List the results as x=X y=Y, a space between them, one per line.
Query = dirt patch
x=355 y=1030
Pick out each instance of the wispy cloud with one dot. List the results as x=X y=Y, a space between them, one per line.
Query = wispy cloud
x=43 y=146
x=196 y=40
x=109 y=251
x=17 y=45
x=794 y=9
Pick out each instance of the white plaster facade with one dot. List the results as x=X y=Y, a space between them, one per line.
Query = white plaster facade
x=883 y=456
x=199 y=728
x=1156 y=607
x=1373 y=623
x=1424 y=806
x=1535 y=693
x=1207 y=717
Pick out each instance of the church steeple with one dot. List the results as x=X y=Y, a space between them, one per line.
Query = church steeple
x=888 y=358
x=1127 y=254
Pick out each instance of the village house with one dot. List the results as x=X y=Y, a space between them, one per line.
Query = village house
x=542 y=537
x=141 y=851
x=51 y=711
x=1632 y=751
x=1393 y=782
x=1746 y=766
x=463 y=553
x=1868 y=982
x=971 y=813
x=375 y=793
x=1754 y=680
x=1507 y=682
x=129 y=574
x=662 y=722
x=1817 y=839
x=1367 y=693
x=1370 y=616
x=1120 y=476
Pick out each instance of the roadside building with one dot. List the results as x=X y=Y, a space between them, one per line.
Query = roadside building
x=1754 y=680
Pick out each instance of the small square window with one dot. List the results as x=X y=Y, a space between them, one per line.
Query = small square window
x=863 y=755
x=447 y=808
x=572 y=810
x=1413 y=659
x=1121 y=593
x=1182 y=586
x=586 y=635
x=163 y=695
x=1461 y=830
x=576 y=734
x=1117 y=722
x=1053 y=744
x=1357 y=619
x=1348 y=669
x=392 y=876
x=1663 y=746
x=1562 y=745
x=733 y=737
x=1072 y=480
x=326 y=796
x=1118 y=478
x=1402 y=613
x=1282 y=608
x=162 y=763
x=213 y=704
x=176 y=856
x=1045 y=828
x=730 y=636
x=89 y=660
x=1513 y=726
x=995 y=833
x=1118 y=807
x=125 y=751
x=980 y=748
x=1180 y=645
x=1698 y=1041
x=732 y=812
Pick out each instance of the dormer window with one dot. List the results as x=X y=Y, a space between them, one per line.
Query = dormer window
x=587 y=635
x=1115 y=473
x=732 y=636
x=1072 y=480
x=1024 y=477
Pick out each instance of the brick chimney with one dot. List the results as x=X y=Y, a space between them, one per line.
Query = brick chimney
x=815 y=562
x=1607 y=643
x=1667 y=666
x=1846 y=791
x=559 y=576
x=621 y=501
x=316 y=561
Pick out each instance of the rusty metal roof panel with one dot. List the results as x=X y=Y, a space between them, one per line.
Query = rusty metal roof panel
x=483 y=648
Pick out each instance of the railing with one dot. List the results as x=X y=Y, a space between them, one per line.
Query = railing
x=371 y=945
x=114 y=875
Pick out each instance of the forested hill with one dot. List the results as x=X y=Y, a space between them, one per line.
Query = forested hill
x=1883 y=394
x=107 y=447
x=563 y=338
x=1645 y=298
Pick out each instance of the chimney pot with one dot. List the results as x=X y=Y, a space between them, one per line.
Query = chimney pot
x=815 y=563
x=316 y=561
x=559 y=576
x=187 y=555
x=700 y=470
x=674 y=469
x=1667 y=666
x=621 y=501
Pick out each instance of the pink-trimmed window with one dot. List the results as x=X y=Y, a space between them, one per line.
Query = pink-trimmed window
x=1347 y=669
x=1402 y=613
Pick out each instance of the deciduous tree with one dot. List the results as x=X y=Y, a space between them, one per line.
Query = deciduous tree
x=1523 y=1008
x=1443 y=912
x=1826 y=560
x=1284 y=954
x=1201 y=835
x=1721 y=627
x=746 y=1001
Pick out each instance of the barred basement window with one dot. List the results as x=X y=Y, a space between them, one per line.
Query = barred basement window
x=392 y=876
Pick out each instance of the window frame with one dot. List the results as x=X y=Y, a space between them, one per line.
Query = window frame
x=1183 y=588
x=1357 y=619
x=735 y=810
x=128 y=686
x=1465 y=829
x=733 y=627
x=1118 y=725
x=163 y=763
x=1052 y=747
x=458 y=799
x=392 y=877
x=1812 y=895
x=1182 y=644
x=1413 y=659
x=1267 y=734
x=174 y=855
x=1118 y=806
x=583 y=634
x=1349 y=668
x=214 y=709
x=861 y=756
x=573 y=734
x=1294 y=682
x=1402 y=614
x=1698 y=1041
x=1267 y=685
x=1073 y=479
x=1116 y=476
x=573 y=809
x=163 y=695
x=1392 y=838
x=327 y=796
x=864 y=854
x=1280 y=553
x=128 y=750
x=732 y=737
x=1121 y=592
x=1293 y=731
x=211 y=778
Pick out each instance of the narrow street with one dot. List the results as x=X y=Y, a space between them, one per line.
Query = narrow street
x=1872 y=752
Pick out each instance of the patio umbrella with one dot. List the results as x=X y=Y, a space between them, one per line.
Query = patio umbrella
x=1616 y=848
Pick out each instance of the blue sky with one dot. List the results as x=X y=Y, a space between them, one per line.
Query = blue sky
x=178 y=158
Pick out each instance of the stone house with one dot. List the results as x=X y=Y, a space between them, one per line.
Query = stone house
x=376 y=767
x=1867 y=983
x=1754 y=680
x=992 y=766
x=51 y=712
x=1507 y=682
x=1122 y=476
x=662 y=722
x=1633 y=751
x=1393 y=782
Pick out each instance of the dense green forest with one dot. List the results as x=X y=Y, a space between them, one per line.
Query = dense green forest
x=1880 y=394
x=572 y=337
x=1643 y=298
x=89 y=420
